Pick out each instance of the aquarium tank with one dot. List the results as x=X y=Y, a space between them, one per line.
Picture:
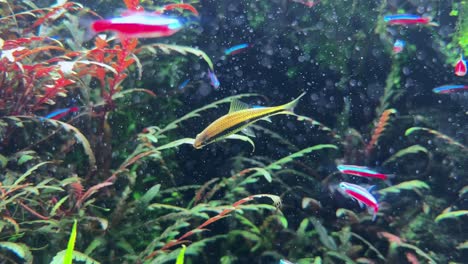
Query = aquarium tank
x=246 y=131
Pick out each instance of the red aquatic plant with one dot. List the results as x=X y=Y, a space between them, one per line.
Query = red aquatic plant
x=133 y=5
x=379 y=129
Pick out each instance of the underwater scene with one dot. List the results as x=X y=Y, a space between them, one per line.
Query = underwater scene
x=233 y=131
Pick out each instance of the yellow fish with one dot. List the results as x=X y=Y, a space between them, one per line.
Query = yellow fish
x=240 y=116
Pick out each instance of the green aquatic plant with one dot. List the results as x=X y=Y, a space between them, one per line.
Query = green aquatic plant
x=452 y=214
x=461 y=35
x=438 y=134
x=19 y=249
x=414 y=185
x=414 y=149
x=277 y=165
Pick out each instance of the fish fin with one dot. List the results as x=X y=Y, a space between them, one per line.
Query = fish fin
x=389 y=178
x=289 y=107
x=373 y=212
x=371 y=188
x=361 y=204
x=237 y=105
x=374 y=216
x=248 y=132
x=434 y=24
x=267 y=119
x=86 y=23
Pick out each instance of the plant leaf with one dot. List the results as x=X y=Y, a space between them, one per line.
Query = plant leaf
x=149 y=195
x=453 y=214
x=277 y=165
x=243 y=138
x=166 y=48
x=28 y=172
x=176 y=143
x=23 y=159
x=180 y=257
x=403 y=152
x=78 y=256
x=67 y=127
x=68 y=258
x=20 y=250
x=263 y=172
x=407 y=185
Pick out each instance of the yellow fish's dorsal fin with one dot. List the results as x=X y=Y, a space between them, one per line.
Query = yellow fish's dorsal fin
x=237 y=105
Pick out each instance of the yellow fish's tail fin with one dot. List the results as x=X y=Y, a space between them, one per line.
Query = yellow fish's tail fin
x=289 y=107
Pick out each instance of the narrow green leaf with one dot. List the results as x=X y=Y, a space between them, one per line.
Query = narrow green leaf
x=243 y=138
x=150 y=194
x=264 y=172
x=453 y=214
x=78 y=256
x=97 y=242
x=20 y=250
x=409 y=150
x=68 y=259
x=25 y=158
x=176 y=143
x=28 y=172
x=57 y=206
x=283 y=221
x=3 y=161
x=166 y=48
x=180 y=257
x=408 y=185
x=463 y=245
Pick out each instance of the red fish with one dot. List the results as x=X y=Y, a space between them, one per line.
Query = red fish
x=460 y=67
x=139 y=25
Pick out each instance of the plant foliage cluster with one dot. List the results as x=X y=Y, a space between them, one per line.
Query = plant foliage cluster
x=115 y=182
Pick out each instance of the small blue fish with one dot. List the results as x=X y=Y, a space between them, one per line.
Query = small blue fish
x=59 y=113
x=236 y=49
x=213 y=80
x=183 y=84
x=451 y=88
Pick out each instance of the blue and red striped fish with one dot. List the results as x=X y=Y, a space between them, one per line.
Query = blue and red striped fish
x=361 y=195
x=408 y=19
x=236 y=49
x=451 y=88
x=362 y=171
x=59 y=113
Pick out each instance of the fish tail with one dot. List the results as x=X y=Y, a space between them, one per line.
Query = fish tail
x=87 y=24
x=374 y=216
x=192 y=19
x=289 y=107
